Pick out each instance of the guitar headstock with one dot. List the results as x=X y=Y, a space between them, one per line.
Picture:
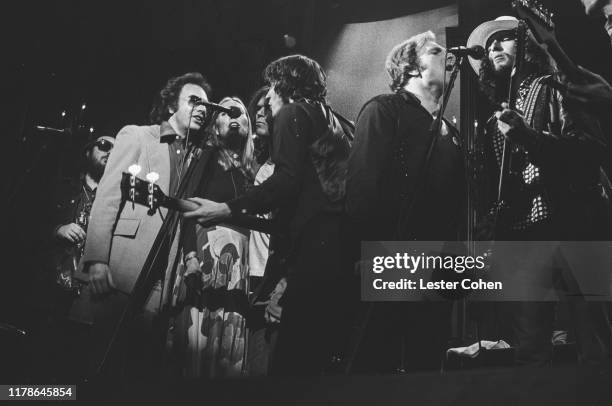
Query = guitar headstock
x=140 y=191
x=538 y=18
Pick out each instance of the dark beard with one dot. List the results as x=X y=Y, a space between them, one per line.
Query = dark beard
x=95 y=169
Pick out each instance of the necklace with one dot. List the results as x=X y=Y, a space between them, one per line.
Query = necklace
x=88 y=198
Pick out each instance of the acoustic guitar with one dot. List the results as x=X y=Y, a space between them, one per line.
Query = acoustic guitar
x=147 y=193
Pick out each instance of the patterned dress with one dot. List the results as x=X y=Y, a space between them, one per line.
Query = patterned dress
x=209 y=334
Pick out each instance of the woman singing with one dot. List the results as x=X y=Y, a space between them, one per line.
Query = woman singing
x=210 y=330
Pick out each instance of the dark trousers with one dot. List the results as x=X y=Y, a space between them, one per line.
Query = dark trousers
x=312 y=303
x=404 y=336
x=136 y=352
x=532 y=322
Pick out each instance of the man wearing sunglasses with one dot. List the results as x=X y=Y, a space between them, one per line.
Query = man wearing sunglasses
x=550 y=191
x=74 y=206
x=71 y=211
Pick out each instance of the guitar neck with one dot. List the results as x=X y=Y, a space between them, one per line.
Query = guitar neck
x=244 y=221
x=542 y=27
x=565 y=64
x=145 y=193
x=181 y=205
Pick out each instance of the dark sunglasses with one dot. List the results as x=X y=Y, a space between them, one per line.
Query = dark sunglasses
x=501 y=36
x=104 y=145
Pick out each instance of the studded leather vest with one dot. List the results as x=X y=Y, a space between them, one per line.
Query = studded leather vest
x=527 y=199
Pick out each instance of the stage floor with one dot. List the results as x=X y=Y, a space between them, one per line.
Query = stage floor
x=563 y=385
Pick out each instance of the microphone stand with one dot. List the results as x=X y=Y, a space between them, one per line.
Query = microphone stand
x=406 y=211
x=152 y=266
x=435 y=130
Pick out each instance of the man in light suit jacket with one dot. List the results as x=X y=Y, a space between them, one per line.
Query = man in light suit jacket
x=121 y=235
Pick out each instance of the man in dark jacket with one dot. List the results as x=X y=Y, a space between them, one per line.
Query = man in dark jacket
x=392 y=135
x=65 y=338
x=551 y=191
x=393 y=193
x=309 y=150
x=74 y=199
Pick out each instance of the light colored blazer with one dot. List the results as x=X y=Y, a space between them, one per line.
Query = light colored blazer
x=122 y=235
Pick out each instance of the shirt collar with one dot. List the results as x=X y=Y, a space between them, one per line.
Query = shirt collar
x=167 y=135
x=86 y=186
x=409 y=96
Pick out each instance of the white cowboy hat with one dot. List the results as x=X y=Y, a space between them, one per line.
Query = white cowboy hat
x=483 y=32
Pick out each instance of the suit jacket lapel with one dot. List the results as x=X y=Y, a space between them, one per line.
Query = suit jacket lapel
x=159 y=161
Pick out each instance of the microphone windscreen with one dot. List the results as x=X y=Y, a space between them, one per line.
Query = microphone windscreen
x=234 y=112
x=478 y=52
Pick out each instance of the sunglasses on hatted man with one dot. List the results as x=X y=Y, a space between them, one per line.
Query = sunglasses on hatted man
x=104 y=145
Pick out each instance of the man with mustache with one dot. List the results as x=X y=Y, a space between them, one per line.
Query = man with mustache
x=120 y=236
x=96 y=156
x=71 y=208
x=73 y=205
x=551 y=189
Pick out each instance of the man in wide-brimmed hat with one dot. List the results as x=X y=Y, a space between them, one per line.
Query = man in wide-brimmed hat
x=551 y=189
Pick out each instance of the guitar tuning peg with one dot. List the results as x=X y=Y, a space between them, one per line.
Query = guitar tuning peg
x=152 y=177
x=134 y=169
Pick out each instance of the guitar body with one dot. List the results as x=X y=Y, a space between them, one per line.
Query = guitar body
x=66 y=263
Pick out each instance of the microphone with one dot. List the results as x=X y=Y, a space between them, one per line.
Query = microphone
x=232 y=111
x=476 y=51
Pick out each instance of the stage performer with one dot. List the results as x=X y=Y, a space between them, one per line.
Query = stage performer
x=386 y=174
x=309 y=150
x=551 y=191
x=120 y=236
x=211 y=329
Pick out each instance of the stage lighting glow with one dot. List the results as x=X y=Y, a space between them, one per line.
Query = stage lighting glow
x=289 y=41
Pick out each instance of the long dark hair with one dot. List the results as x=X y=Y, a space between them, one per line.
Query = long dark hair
x=297 y=77
x=252 y=106
x=262 y=144
x=537 y=61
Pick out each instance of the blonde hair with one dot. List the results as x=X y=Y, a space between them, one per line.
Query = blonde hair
x=247 y=155
x=404 y=57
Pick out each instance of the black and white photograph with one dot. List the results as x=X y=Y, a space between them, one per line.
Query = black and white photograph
x=304 y=202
